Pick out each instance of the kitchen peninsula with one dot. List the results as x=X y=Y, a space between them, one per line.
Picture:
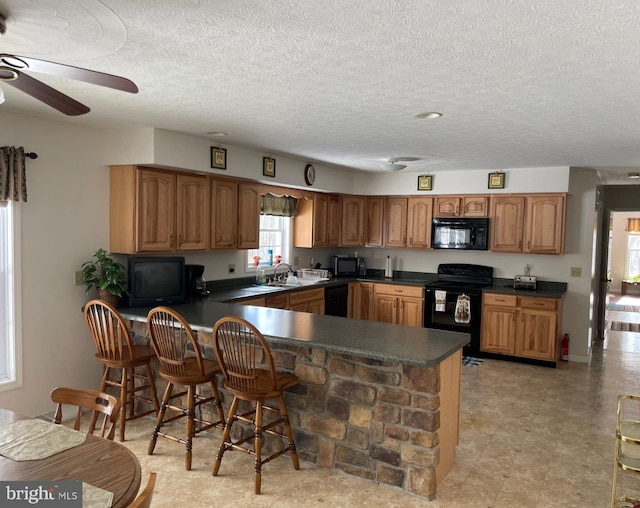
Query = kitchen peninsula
x=375 y=400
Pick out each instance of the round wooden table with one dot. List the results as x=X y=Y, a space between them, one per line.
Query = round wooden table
x=99 y=462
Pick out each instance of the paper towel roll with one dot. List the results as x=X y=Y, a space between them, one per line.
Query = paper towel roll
x=388 y=270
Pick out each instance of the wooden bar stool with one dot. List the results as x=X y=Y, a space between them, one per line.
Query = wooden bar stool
x=181 y=363
x=627 y=450
x=116 y=351
x=240 y=348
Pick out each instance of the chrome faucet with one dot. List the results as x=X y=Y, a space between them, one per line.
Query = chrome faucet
x=275 y=270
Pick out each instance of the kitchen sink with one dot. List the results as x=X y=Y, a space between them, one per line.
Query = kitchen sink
x=262 y=289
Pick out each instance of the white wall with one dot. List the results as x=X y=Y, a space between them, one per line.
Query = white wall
x=66 y=220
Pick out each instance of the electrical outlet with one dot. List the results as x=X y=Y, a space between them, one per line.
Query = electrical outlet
x=576 y=271
x=232 y=268
x=296 y=260
x=79 y=278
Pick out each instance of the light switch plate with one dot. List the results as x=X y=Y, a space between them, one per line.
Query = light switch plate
x=78 y=278
x=576 y=271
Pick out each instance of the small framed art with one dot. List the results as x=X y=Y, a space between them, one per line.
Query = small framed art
x=269 y=167
x=425 y=182
x=218 y=157
x=496 y=180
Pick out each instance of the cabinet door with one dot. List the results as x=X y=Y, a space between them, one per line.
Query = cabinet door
x=192 y=203
x=536 y=334
x=352 y=224
x=475 y=206
x=316 y=306
x=419 y=215
x=320 y=215
x=544 y=230
x=248 y=216
x=396 y=223
x=299 y=307
x=507 y=223
x=447 y=206
x=155 y=211
x=498 y=330
x=375 y=222
x=224 y=220
x=386 y=309
x=332 y=226
x=366 y=301
x=411 y=311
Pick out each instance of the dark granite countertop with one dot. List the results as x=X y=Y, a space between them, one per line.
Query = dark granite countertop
x=543 y=288
x=367 y=339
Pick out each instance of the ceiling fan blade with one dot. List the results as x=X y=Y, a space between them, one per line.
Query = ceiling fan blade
x=69 y=71
x=48 y=95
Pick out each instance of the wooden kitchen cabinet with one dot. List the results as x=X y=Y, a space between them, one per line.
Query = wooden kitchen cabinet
x=259 y=301
x=461 y=206
x=277 y=301
x=521 y=326
x=419 y=215
x=235 y=215
x=533 y=223
x=403 y=305
x=157 y=211
x=352 y=226
x=396 y=222
x=374 y=224
x=248 y=216
x=361 y=303
x=318 y=221
x=310 y=300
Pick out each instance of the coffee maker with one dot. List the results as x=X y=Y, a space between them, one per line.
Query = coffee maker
x=196 y=284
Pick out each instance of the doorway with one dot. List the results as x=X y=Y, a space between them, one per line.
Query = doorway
x=610 y=199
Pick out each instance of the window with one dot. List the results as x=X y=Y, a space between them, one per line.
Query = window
x=10 y=374
x=633 y=255
x=275 y=235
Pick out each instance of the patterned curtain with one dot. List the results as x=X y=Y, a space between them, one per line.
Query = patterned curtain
x=282 y=206
x=13 y=178
x=633 y=225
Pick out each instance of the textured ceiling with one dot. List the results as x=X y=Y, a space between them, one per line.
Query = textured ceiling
x=520 y=83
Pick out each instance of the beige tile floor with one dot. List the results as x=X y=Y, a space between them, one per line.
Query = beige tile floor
x=531 y=437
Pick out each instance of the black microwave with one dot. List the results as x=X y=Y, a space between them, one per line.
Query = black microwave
x=348 y=266
x=460 y=233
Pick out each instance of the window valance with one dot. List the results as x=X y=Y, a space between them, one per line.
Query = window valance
x=282 y=206
x=633 y=226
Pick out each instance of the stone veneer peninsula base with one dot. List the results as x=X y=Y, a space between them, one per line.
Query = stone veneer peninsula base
x=384 y=420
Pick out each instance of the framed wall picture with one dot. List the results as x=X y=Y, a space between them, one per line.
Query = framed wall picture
x=425 y=182
x=269 y=167
x=218 y=157
x=496 y=180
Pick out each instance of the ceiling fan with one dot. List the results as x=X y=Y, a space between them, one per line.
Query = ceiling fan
x=12 y=72
x=392 y=165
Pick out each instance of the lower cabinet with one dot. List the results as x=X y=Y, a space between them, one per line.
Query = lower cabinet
x=311 y=300
x=360 y=300
x=402 y=305
x=258 y=302
x=522 y=326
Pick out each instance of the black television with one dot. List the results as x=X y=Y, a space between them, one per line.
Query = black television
x=156 y=281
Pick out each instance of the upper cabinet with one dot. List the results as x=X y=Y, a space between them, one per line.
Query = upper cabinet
x=374 y=226
x=395 y=234
x=461 y=206
x=532 y=223
x=318 y=221
x=157 y=211
x=224 y=214
x=248 y=216
x=353 y=221
x=419 y=215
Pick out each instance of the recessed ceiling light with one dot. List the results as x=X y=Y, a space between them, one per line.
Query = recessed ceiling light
x=216 y=133
x=633 y=176
x=428 y=114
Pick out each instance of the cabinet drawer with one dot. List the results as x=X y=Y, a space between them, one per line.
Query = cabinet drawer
x=306 y=296
x=499 y=299
x=278 y=301
x=533 y=302
x=396 y=290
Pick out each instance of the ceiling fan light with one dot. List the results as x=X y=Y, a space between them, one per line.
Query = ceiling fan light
x=392 y=166
x=633 y=176
x=1 y=96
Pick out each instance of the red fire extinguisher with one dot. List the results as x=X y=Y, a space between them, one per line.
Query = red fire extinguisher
x=565 y=348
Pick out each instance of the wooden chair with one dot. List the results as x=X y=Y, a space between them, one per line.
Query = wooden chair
x=237 y=344
x=92 y=400
x=117 y=351
x=181 y=363
x=144 y=498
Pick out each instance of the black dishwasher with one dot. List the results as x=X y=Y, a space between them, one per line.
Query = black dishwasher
x=335 y=300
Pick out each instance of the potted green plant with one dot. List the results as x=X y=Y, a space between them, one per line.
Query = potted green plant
x=106 y=275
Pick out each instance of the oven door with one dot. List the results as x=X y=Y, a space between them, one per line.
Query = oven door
x=443 y=316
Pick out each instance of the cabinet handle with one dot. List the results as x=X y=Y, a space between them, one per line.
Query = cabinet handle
x=171 y=241
x=513 y=315
x=180 y=240
x=538 y=303
x=398 y=290
x=499 y=300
